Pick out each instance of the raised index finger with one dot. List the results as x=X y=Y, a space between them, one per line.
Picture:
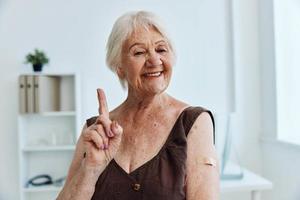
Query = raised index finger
x=103 y=109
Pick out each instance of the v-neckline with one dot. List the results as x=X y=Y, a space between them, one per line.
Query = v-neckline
x=155 y=156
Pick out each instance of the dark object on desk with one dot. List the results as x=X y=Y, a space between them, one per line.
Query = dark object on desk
x=40 y=180
x=44 y=179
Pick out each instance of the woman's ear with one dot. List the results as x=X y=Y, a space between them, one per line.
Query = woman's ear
x=120 y=72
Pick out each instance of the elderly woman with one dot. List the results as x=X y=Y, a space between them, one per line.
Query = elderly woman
x=152 y=146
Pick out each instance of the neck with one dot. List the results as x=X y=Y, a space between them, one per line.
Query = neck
x=137 y=102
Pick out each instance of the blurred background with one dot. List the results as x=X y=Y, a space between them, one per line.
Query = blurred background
x=236 y=58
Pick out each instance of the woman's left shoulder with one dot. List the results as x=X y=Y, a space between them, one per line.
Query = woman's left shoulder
x=191 y=113
x=198 y=109
x=187 y=108
x=195 y=112
x=202 y=119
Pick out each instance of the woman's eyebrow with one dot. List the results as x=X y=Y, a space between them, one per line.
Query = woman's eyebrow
x=137 y=43
x=159 y=41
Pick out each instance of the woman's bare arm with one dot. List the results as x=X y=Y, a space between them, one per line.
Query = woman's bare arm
x=202 y=181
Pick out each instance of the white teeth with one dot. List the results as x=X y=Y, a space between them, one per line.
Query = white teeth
x=153 y=74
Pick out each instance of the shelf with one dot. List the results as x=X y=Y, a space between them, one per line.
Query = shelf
x=50 y=188
x=49 y=148
x=52 y=113
x=48 y=127
x=59 y=113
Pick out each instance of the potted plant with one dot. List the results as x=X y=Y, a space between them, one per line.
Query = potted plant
x=37 y=59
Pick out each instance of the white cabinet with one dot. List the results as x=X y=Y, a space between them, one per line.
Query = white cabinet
x=47 y=137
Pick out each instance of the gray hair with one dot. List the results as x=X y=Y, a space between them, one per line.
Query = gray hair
x=123 y=28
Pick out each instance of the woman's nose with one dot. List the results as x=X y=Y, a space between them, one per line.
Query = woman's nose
x=153 y=59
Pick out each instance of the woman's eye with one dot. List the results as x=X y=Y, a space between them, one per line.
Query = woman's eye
x=139 y=53
x=161 y=50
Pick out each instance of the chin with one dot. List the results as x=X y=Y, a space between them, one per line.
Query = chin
x=155 y=90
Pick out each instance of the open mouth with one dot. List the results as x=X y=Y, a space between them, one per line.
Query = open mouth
x=153 y=74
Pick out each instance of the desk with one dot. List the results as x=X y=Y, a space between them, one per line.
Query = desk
x=251 y=182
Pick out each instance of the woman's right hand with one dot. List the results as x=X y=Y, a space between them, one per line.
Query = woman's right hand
x=102 y=139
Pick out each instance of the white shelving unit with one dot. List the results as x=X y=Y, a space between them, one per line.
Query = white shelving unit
x=47 y=139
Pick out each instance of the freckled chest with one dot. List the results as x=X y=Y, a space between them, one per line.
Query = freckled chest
x=146 y=131
x=142 y=139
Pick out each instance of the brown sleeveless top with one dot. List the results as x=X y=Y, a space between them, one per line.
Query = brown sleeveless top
x=161 y=178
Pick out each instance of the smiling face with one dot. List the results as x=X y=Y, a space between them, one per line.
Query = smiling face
x=146 y=62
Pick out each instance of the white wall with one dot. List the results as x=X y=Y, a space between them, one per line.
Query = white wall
x=73 y=34
x=281 y=165
x=287 y=47
x=248 y=85
x=280 y=160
